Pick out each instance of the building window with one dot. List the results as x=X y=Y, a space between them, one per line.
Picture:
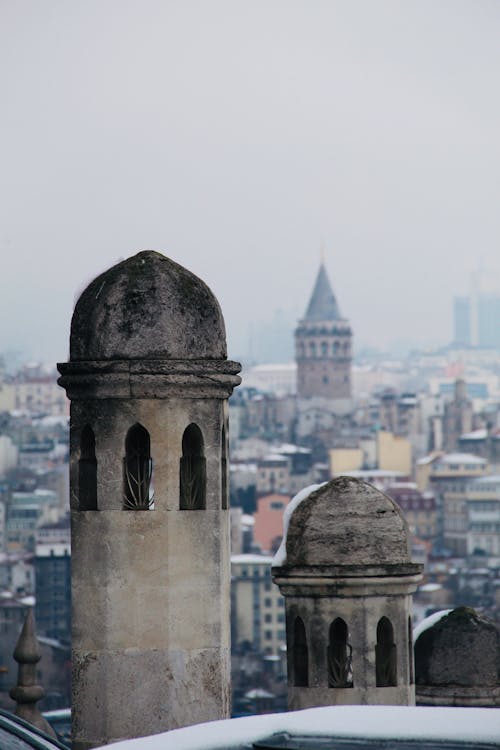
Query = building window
x=268 y=635
x=339 y=656
x=300 y=655
x=193 y=475
x=385 y=654
x=137 y=469
x=268 y=618
x=268 y=602
x=87 y=471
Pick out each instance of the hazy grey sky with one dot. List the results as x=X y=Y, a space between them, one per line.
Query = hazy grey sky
x=236 y=136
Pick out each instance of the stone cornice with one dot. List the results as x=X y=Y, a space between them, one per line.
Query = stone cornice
x=348 y=580
x=155 y=378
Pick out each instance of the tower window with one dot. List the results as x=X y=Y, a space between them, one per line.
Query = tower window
x=410 y=651
x=223 y=468
x=300 y=655
x=339 y=656
x=87 y=471
x=137 y=469
x=193 y=474
x=385 y=654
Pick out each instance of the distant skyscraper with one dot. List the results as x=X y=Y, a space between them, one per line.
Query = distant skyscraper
x=477 y=321
x=323 y=346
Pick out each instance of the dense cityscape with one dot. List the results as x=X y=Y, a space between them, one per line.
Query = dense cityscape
x=425 y=430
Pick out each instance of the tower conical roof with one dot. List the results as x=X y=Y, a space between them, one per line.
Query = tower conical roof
x=323 y=305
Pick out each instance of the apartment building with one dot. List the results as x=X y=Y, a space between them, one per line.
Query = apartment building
x=258 y=609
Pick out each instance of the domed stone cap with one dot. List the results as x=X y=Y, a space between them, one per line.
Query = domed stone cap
x=347 y=522
x=461 y=649
x=147 y=307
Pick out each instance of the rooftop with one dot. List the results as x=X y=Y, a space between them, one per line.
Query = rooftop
x=322 y=305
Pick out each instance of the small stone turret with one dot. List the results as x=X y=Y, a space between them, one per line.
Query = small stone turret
x=457 y=661
x=148 y=380
x=344 y=568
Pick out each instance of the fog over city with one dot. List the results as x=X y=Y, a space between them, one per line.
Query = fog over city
x=241 y=137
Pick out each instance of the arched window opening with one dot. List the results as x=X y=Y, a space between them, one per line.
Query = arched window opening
x=193 y=474
x=137 y=470
x=312 y=349
x=87 y=471
x=385 y=655
x=223 y=468
x=300 y=655
x=335 y=347
x=410 y=651
x=324 y=349
x=339 y=656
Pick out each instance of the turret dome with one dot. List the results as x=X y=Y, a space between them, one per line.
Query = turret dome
x=147 y=307
x=346 y=522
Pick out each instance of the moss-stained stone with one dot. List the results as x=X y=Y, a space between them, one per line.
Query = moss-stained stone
x=147 y=307
x=461 y=649
x=347 y=521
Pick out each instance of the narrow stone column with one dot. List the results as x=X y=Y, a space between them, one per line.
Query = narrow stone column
x=27 y=693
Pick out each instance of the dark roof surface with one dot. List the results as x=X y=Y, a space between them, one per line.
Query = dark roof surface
x=323 y=305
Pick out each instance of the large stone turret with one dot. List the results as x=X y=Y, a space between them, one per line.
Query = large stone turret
x=344 y=568
x=148 y=380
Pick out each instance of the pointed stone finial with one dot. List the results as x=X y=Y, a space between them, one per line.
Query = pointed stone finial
x=27 y=693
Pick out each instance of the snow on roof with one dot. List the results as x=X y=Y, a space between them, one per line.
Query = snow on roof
x=481 y=434
x=461 y=458
x=428 y=622
x=280 y=556
x=274 y=367
x=403 y=486
x=490 y=479
x=430 y=587
x=462 y=725
x=274 y=457
x=251 y=559
x=52 y=549
x=287 y=448
x=427 y=460
x=28 y=601
x=52 y=642
x=247 y=520
x=249 y=466
x=258 y=693
x=362 y=473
